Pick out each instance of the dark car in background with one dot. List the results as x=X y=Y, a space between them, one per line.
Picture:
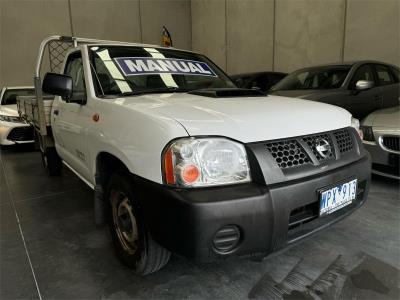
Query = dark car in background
x=360 y=87
x=261 y=80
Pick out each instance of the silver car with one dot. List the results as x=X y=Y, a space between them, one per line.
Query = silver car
x=381 y=130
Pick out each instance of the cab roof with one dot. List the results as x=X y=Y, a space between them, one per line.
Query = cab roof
x=18 y=87
x=127 y=44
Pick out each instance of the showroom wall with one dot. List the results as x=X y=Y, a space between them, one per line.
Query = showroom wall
x=253 y=35
x=240 y=35
x=24 y=23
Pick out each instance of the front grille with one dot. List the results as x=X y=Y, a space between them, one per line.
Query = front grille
x=20 y=134
x=312 y=142
x=344 y=140
x=391 y=142
x=295 y=152
x=288 y=153
x=303 y=215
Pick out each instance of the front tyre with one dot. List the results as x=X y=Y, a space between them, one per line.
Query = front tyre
x=52 y=162
x=133 y=243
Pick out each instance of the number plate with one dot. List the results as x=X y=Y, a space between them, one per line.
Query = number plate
x=338 y=197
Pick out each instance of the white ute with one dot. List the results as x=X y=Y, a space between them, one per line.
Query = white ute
x=183 y=161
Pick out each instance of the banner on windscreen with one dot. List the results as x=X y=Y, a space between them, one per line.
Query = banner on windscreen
x=149 y=65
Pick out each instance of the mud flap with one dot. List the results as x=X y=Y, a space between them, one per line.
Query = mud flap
x=99 y=205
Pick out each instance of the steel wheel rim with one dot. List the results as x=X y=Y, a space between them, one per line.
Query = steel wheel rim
x=124 y=222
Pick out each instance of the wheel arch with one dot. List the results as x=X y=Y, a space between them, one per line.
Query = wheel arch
x=106 y=164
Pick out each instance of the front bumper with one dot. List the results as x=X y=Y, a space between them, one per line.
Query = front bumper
x=7 y=138
x=269 y=217
x=385 y=162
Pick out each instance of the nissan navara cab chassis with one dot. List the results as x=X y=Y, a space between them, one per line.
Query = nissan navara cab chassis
x=183 y=161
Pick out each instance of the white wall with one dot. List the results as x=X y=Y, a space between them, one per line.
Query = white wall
x=239 y=35
x=208 y=29
x=24 y=23
x=308 y=32
x=250 y=21
x=373 y=30
x=253 y=35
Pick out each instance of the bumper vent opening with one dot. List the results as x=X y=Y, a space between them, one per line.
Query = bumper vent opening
x=391 y=142
x=20 y=134
x=310 y=212
x=226 y=239
x=392 y=169
x=303 y=215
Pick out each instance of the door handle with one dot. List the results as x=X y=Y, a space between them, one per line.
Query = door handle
x=55 y=112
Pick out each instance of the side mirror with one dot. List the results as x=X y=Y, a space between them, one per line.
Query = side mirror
x=362 y=85
x=58 y=84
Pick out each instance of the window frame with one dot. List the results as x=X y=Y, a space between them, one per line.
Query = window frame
x=396 y=73
x=352 y=83
x=6 y=91
x=389 y=71
x=97 y=90
x=71 y=56
x=273 y=77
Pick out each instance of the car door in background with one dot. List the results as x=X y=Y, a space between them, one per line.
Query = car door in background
x=274 y=79
x=361 y=103
x=264 y=81
x=260 y=82
x=388 y=84
x=241 y=81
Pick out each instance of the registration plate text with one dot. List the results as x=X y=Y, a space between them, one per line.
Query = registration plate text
x=337 y=197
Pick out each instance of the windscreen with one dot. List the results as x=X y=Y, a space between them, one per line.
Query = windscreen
x=122 y=70
x=314 y=79
x=10 y=96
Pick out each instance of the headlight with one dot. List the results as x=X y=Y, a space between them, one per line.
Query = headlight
x=11 y=119
x=355 y=123
x=368 y=133
x=195 y=162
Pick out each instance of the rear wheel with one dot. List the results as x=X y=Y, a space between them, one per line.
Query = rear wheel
x=133 y=243
x=52 y=162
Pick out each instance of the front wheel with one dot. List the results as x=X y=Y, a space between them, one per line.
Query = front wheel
x=133 y=243
x=52 y=162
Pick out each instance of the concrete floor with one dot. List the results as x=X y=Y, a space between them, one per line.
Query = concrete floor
x=51 y=249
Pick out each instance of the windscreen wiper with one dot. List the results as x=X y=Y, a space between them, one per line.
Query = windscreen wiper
x=155 y=91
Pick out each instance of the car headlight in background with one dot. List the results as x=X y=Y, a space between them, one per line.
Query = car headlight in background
x=355 y=123
x=12 y=119
x=196 y=162
x=368 y=133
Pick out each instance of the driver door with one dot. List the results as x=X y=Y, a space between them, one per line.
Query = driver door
x=70 y=119
x=362 y=103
